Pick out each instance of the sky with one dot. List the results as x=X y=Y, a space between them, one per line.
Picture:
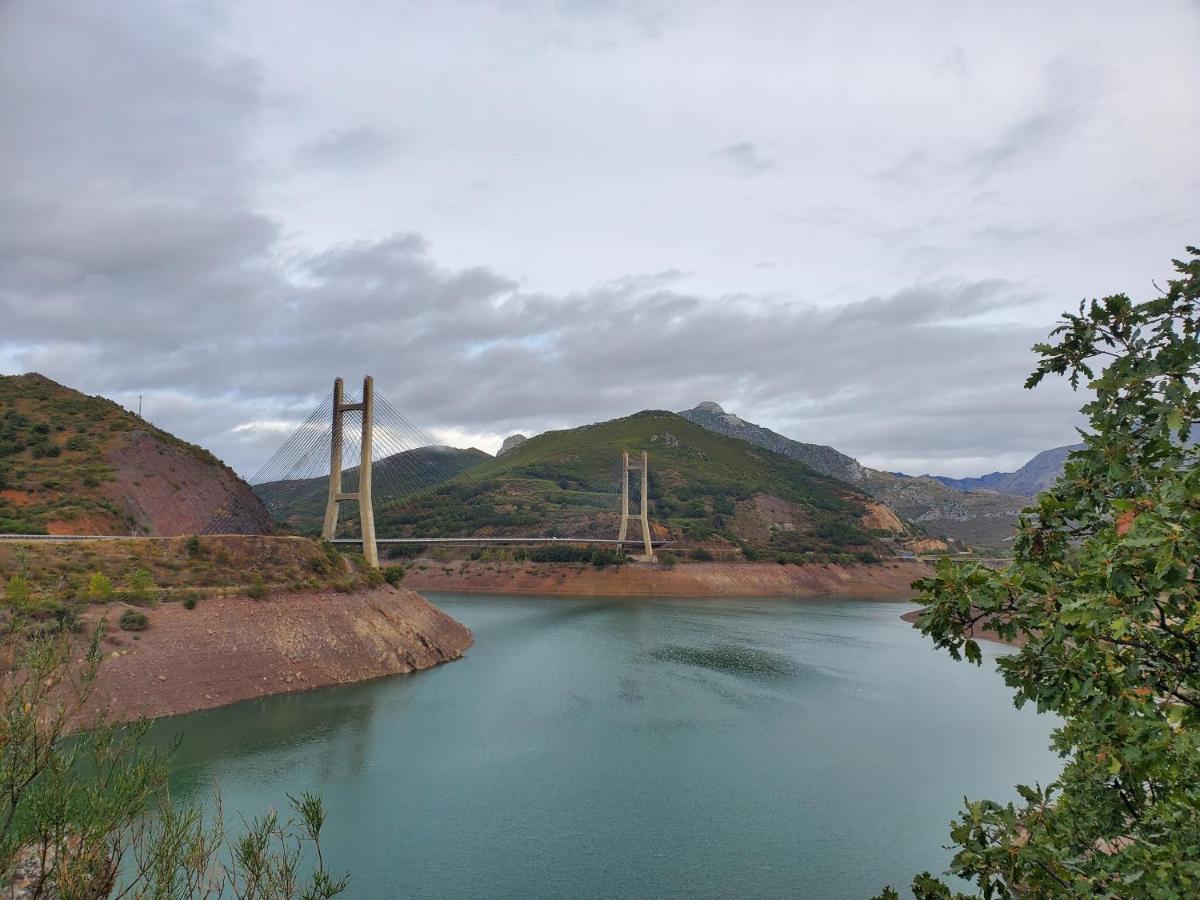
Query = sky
x=846 y=221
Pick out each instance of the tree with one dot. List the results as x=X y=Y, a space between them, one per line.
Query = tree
x=88 y=814
x=1101 y=598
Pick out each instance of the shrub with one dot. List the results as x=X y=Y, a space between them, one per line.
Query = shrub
x=78 y=442
x=257 y=589
x=192 y=545
x=16 y=592
x=701 y=554
x=141 y=586
x=134 y=620
x=190 y=601
x=99 y=588
x=393 y=575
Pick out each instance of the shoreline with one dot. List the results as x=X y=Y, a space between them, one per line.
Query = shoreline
x=698 y=579
x=231 y=649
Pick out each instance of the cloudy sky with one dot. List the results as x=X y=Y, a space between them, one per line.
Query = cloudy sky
x=847 y=221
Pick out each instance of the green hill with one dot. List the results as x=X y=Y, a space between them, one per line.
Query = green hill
x=300 y=503
x=75 y=464
x=705 y=489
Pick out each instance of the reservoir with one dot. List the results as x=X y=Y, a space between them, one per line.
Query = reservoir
x=635 y=748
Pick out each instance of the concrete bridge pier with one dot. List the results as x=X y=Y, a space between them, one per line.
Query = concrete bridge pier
x=366 y=510
x=643 y=514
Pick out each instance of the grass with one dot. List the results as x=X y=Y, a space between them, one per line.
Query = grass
x=51 y=576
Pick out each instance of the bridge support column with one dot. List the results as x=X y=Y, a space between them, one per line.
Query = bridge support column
x=643 y=514
x=366 y=510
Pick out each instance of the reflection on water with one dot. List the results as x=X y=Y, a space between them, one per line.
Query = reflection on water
x=732 y=658
x=618 y=748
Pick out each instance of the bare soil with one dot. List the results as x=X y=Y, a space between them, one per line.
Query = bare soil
x=716 y=579
x=233 y=648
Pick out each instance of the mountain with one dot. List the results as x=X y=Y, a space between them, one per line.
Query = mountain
x=74 y=464
x=824 y=459
x=300 y=503
x=704 y=488
x=1028 y=481
x=982 y=519
x=513 y=440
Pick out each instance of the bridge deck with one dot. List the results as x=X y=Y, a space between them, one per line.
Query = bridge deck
x=431 y=540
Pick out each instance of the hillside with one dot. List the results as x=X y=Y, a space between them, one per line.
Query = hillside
x=75 y=464
x=705 y=489
x=1029 y=480
x=300 y=503
x=982 y=519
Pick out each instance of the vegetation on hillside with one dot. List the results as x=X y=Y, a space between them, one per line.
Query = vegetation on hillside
x=48 y=583
x=54 y=466
x=300 y=504
x=88 y=815
x=704 y=488
x=1103 y=596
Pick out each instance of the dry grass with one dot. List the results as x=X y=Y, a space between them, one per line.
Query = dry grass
x=219 y=563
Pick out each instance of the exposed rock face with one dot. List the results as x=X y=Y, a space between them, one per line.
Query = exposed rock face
x=513 y=440
x=825 y=460
x=985 y=519
x=168 y=490
x=231 y=648
x=74 y=464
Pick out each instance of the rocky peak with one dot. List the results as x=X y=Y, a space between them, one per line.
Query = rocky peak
x=512 y=441
x=710 y=407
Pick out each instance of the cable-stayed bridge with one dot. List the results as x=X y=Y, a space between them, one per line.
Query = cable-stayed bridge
x=399 y=485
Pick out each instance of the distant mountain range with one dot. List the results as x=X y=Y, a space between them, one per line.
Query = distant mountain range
x=977 y=512
x=1028 y=481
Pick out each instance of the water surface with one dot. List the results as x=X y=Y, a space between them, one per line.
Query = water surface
x=633 y=748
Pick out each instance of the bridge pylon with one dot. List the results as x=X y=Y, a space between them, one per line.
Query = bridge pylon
x=643 y=513
x=366 y=510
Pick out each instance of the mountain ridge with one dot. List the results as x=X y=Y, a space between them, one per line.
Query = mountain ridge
x=985 y=519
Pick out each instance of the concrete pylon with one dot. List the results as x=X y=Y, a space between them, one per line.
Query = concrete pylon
x=643 y=513
x=366 y=510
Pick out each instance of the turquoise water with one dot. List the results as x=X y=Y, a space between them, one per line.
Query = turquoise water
x=622 y=748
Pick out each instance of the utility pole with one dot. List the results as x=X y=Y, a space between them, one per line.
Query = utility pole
x=139 y=406
x=643 y=513
x=366 y=510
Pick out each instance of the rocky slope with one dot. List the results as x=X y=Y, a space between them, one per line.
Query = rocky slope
x=982 y=519
x=231 y=648
x=511 y=443
x=74 y=464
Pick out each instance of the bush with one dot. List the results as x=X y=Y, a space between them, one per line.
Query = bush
x=134 y=620
x=78 y=443
x=393 y=575
x=700 y=554
x=99 y=588
x=190 y=601
x=141 y=586
x=16 y=592
x=192 y=545
x=257 y=589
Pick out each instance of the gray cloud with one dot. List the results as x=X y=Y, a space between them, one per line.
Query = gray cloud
x=161 y=234
x=744 y=158
x=348 y=148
